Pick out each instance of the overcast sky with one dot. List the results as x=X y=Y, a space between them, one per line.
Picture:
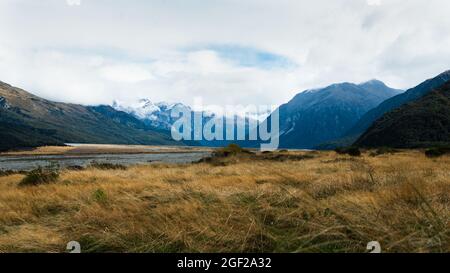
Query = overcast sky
x=225 y=51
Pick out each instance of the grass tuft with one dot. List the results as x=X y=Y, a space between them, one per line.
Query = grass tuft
x=100 y=196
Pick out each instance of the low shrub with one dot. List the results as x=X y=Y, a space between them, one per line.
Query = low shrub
x=340 y=150
x=40 y=176
x=230 y=150
x=437 y=151
x=287 y=157
x=383 y=150
x=106 y=166
x=352 y=151
x=75 y=168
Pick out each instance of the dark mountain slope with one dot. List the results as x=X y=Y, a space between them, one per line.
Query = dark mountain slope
x=424 y=122
x=28 y=121
x=317 y=116
x=412 y=94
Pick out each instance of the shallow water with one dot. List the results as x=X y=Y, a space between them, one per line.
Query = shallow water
x=26 y=163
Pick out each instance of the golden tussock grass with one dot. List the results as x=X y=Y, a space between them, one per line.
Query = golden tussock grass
x=84 y=149
x=304 y=202
x=44 y=150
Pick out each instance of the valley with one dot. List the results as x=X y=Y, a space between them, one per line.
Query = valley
x=145 y=192
x=229 y=135
x=81 y=155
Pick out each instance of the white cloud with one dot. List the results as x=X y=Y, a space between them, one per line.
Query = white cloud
x=129 y=73
x=73 y=2
x=374 y=2
x=220 y=50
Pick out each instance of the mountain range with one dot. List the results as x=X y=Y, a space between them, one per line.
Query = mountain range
x=29 y=121
x=367 y=114
x=154 y=114
x=158 y=115
x=317 y=116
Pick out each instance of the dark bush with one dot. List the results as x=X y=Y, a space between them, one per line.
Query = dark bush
x=287 y=157
x=106 y=166
x=232 y=149
x=384 y=150
x=40 y=176
x=353 y=151
x=75 y=168
x=437 y=151
x=340 y=150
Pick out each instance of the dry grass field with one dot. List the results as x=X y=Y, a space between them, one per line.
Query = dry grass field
x=92 y=149
x=271 y=202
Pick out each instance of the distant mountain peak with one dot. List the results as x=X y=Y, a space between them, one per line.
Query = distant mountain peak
x=342 y=86
x=390 y=104
x=145 y=102
x=328 y=87
x=163 y=105
x=373 y=82
x=157 y=115
x=320 y=115
x=444 y=76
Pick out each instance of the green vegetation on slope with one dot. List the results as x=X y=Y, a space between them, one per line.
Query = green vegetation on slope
x=29 y=121
x=422 y=123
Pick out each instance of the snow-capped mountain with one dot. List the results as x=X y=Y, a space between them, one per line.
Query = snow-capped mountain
x=158 y=115
x=154 y=114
